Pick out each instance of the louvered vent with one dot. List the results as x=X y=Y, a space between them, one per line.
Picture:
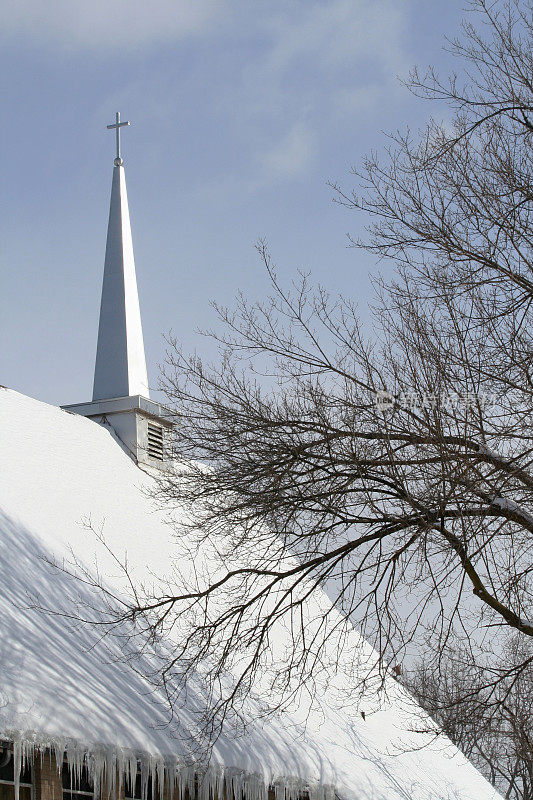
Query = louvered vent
x=155 y=441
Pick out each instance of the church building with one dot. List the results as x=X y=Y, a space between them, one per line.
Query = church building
x=80 y=718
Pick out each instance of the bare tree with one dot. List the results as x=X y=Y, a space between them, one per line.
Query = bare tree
x=496 y=737
x=391 y=470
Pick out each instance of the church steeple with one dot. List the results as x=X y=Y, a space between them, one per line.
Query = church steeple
x=120 y=369
x=121 y=401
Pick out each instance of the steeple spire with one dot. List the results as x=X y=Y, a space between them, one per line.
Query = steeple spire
x=121 y=402
x=120 y=369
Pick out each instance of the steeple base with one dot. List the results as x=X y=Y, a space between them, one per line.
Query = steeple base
x=142 y=427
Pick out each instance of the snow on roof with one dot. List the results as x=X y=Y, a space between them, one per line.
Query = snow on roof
x=64 y=687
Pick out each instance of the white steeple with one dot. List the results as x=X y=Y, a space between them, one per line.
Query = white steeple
x=120 y=369
x=121 y=401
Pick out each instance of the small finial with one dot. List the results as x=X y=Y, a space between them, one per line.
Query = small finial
x=117 y=126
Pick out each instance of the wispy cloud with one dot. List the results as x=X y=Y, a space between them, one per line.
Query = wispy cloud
x=320 y=66
x=291 y=155
x=107 y=24
x=336 y=32
x=327 y=52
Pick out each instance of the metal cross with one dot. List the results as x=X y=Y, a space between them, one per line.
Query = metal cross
x=117 y=126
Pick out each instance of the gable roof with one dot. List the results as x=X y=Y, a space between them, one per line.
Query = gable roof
x=63 y=686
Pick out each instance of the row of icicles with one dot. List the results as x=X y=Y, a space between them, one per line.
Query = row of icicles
x=109 y=769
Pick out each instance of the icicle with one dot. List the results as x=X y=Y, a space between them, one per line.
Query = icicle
x=96 y=773
x=111 y=774
x=58 y=749
x=160 y=776
x=170 y=777
x=16 y=766
x=144 y=778
x=152 y=777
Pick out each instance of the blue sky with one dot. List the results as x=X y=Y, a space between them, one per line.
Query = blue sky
x=241 y=112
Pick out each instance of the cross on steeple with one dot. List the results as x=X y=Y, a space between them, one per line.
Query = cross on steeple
x=117 y=126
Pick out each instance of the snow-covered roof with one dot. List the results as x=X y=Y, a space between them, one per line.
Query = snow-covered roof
x=63 y=687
